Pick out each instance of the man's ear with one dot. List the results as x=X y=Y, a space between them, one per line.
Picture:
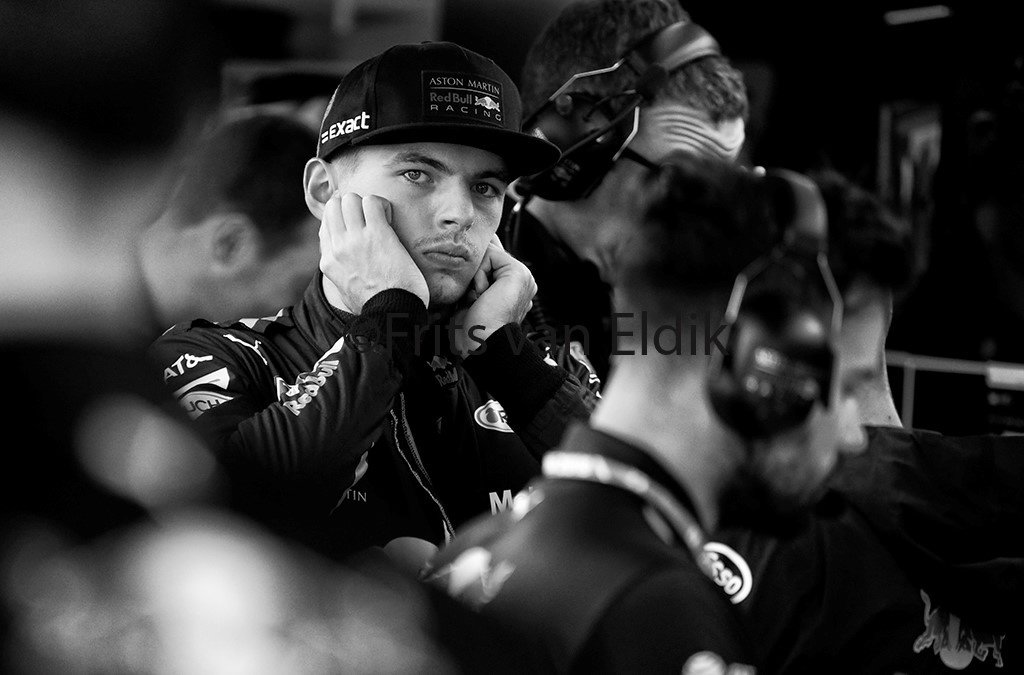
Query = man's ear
x=317 y=185
x=234 y=243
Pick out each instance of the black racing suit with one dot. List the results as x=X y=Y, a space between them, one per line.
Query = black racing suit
x=579 y=576
x=347 y=431
x=913 y=563
x=572 y=311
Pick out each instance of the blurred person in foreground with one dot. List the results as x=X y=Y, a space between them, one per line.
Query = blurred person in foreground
x=236 y=238
x=567 y=221
x=399 y=397
x=913 y=561
x=115 y=557
x=600 y=562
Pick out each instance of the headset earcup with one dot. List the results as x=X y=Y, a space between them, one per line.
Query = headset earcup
x=775 y=369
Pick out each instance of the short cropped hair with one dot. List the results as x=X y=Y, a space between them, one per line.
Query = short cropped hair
x=868 y=242
x=589 y=35
x=249 y=165
x=701 y=222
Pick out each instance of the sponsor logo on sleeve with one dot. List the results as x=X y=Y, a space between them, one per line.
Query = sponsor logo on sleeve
x=492 y=416
x=462 y=95
x=955 y=643
x=183 y=363
x=307 y=385
x=255 y=346
x=198 y=396
x=729 y=570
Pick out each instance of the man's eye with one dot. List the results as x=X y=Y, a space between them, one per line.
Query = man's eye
x=415 y=175
x=486 y=189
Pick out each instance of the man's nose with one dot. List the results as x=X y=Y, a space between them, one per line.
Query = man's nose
x=853 y=438
x=455 y=206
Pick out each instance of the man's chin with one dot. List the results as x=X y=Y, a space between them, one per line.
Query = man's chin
x=747 y=502
x=445 y=291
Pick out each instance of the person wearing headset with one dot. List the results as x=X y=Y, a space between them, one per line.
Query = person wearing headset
x=599 y=564
x=616 y=84
x=911 y=563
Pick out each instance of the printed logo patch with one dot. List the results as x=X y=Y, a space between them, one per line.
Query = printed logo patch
x=955 y=643
x=297 y=396
x=183 y=363
x=492 y=416
x=196 y=403
x=196 y=399
x=346 y=127
x=729 y=570
x=462 y=96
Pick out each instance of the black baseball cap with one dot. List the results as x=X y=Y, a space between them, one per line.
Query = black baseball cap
x=432 y=91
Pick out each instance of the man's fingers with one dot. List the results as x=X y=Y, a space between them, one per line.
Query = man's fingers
x=480 y=283
x=377 y=211
x=352 y=211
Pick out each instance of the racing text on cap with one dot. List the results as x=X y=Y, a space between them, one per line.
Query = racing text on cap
x=462 y=96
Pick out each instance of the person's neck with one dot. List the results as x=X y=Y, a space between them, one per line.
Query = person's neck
x=169 y=279
x=671 y=421
x=574 y=224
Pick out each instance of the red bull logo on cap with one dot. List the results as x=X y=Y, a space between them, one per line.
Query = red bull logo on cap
x=462 y=96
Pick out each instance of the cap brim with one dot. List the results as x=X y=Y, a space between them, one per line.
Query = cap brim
x=524 y=154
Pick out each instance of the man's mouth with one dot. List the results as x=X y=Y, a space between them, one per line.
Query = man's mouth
x=447 y=255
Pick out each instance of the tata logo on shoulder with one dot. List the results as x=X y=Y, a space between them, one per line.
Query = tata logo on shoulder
x=492 y=416
x=183 y=363
x=345 y=127
x=729 y=570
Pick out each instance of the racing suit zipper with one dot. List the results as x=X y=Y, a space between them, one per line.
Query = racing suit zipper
x=422 y=477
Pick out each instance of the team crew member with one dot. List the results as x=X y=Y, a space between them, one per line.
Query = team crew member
x=598 y=562
x=909 y=564
x=236 y=238
x=354 y=409
x=570 y=219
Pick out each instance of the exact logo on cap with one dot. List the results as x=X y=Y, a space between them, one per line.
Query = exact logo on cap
x=345 y=127
x=462 y=96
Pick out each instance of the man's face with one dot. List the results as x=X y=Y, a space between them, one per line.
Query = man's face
x=446 y=200
x=863 y=375
x=782 y=477
x=281 y=276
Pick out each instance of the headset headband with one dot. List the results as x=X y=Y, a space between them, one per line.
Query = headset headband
x=567 y=118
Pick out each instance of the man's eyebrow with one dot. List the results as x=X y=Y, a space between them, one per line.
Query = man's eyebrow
x=413 y=157
x=420 y=158
x=501 y=174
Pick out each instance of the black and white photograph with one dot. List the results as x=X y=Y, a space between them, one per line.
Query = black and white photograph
x=458 y=337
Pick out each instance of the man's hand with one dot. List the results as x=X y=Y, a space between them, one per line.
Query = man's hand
x=361 y=254
x=501 y=293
